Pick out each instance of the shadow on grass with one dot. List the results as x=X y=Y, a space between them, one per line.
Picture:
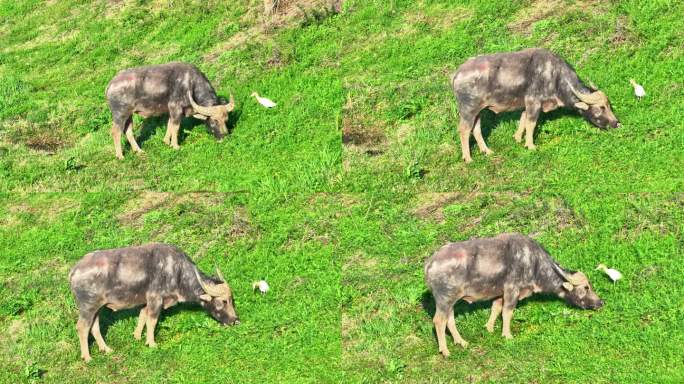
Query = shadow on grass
x=109 y=317
x=462 y=307
x=490 y=120
x=151 y=124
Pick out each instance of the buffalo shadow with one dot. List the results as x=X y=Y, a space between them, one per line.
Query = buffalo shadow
x=490 y=120
x=461 y=307
x=109 y=317
x=150 y=125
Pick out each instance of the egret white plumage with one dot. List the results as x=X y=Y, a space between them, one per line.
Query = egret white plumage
x=614 y=274
x=263 y=101
x=261 y=285
x=638 y=89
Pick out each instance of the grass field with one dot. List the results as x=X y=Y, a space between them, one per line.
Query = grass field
x=338 y=195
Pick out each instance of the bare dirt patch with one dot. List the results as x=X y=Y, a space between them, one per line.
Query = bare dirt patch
x=623 y=34
x=300 y=8
x=44 y=137
x=38 y=211
x=262 y=20
x=355 y=132
x=431 y=205
x=149 y=201
x=16 y=329
x=524 y=20
x=564 y=216
x=360 y=131
x=201 y=213
x=508 y=208
x=437 y=17
x=359 y=261
x=135 y=209
x=537 y=10
x=657 y=220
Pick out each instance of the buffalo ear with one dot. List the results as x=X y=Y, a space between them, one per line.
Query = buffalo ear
x=582 y=105
x=569 y=287
x=205 y=297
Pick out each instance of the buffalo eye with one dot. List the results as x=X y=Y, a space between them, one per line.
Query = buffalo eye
x=581 y=292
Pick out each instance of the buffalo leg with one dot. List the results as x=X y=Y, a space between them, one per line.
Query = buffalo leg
x=167 y=136
x=130 y=137
x=142 y=318
x=521 y=128
x=116 y=136
x=154 y=306
x=95 y=330
x=510 y=300
x=443 y=308
x=440 y=321
x=172 y=131
x=497 y=306
x=531 y=116
x=464 y=129
x=477 y=132
x=85 y=321
x=451 y=324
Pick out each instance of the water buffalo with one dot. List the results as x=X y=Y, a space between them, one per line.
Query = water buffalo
x=533 y=80
x=176 y=89
x=156 y=276
x=506 y=268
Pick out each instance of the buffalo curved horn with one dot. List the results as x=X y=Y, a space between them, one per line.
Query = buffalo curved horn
x=573 y=279
x=231 y=104
x=220 y=275
x=211 y=289
x=590 y=98
x=225 y=288
x=207 y=111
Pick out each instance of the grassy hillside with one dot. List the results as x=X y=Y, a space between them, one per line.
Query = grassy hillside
x=291 y=334
x=59 y=56
x=337 y=196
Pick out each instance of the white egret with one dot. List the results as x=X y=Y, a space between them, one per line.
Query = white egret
x=638 y=89
x=614 y=274
x=263 y=101
x=261 y=285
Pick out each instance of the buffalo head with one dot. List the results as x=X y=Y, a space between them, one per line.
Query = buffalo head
x=215 y=115
x=218 y=300
x=595 y=107
x=577 y=291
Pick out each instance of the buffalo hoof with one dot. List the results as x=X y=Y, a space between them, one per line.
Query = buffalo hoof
x=152 y=344
x=488 y=152
x=507 y=336
x=106 y=350
x=531 y=147
x=489 y=327
x=87 y=359
x=468 y=160
x=518 y=139
x=445 y=353
x=462 y=343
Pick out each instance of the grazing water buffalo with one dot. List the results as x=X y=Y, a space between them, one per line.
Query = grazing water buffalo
x=176 y=89
x=156 y=276
x=534 y=80
x=506 y=268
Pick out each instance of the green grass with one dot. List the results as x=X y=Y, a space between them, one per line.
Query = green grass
x=337 y=196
